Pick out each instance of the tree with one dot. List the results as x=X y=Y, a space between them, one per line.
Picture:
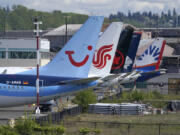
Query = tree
x=84 y=98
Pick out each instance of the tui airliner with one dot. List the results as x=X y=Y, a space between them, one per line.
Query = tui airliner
x=67 y=72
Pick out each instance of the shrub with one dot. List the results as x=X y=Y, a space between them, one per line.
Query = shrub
x=84 y=131
x=84 y=98
x=7 y=130
x=97 y=131
x=137 y=96
x=26 y=126
x=60 y=130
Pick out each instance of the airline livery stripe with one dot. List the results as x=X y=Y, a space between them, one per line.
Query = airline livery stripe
x=160 y=56
x=153 y=64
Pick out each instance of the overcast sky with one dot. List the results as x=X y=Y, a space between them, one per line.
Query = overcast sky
x=97 y=7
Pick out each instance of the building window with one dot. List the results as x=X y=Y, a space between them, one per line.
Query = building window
x=21 y=55
x=2 y=54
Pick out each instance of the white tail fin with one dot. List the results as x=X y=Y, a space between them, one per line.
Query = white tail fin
x=150 y=58
x=105 y=50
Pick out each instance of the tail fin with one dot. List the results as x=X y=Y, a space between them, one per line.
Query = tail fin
x=75 y=58
x=105 y=50
x=132 y=52
x=150 y=59
x=122 y=50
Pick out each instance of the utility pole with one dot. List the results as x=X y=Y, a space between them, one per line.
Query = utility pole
x=157 y=26
x=37 y=30
x=66 y=29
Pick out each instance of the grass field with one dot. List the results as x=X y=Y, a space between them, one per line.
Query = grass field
x=167 y=124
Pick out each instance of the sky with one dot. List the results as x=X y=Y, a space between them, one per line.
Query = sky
x=97 y=7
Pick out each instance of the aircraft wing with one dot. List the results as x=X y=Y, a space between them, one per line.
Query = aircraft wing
x=4 y=72
x=161 y=71
x=78 y=81
x=109 y=77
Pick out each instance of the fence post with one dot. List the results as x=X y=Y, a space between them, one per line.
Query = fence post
x=95 y=125
x=129 y=126
x=159 y=128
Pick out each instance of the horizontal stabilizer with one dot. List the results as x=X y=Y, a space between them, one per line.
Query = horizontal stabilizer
x=109 y=77
x=78 y=81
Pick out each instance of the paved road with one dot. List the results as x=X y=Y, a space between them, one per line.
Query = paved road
x=14 y=112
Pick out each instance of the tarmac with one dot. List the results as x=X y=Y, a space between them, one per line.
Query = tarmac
x=7 y=114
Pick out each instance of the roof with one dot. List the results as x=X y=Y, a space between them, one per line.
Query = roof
x=20 y=33
x=60 y=31
x=168 y=51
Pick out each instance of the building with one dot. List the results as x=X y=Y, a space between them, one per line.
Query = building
x=59 y=36
x=21 y=52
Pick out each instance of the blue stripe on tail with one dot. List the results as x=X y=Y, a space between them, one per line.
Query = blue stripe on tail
x=132 y=52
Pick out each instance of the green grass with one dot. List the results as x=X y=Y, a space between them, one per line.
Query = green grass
x=146 y=124
x=165 y=118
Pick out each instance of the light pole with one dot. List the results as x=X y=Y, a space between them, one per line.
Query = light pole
x=37 y=30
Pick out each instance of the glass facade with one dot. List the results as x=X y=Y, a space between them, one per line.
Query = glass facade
x=21 y=53
x=2 y=53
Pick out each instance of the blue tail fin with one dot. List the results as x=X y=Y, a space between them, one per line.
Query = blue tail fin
x=150 y=59
x=132 y=51
x=75 y=58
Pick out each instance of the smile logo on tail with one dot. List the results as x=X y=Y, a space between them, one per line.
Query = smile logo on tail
x=78 y=64
x=118 y=60
x=100 y=58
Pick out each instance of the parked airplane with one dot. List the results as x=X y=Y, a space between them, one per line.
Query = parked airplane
x=147 y=65
x=149 y=62
x=120 y=56
x=67 y=72
x=105 y=50
x=131 y=55
x=122 y=50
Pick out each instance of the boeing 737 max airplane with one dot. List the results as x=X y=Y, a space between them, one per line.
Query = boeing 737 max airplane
x=67 y=72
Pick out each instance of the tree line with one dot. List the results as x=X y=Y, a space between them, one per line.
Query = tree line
x=19 y=17
x=148 y=19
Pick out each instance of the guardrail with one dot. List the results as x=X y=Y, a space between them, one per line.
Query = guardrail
x=56 y=117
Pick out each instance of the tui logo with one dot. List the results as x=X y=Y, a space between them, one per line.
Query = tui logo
x=81 y=63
